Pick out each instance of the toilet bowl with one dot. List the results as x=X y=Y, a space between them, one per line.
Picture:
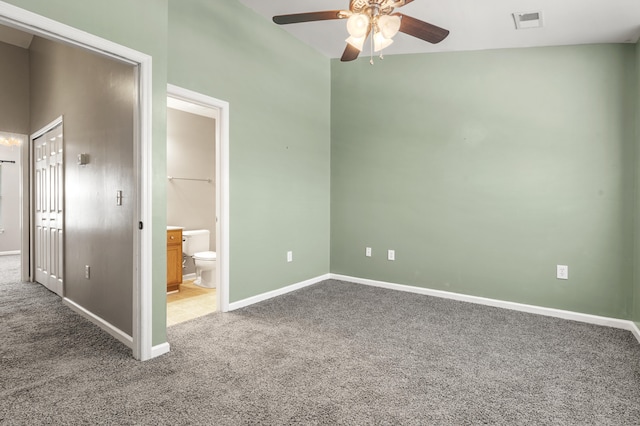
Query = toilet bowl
x=205 y=269
x=195 y=243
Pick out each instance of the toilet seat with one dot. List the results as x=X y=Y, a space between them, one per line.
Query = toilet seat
x=205 y=255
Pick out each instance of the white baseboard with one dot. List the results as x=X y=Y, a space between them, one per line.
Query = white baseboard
x=279 y=292
x=189 y=277
x=160 y=349
x=106 y=326
x=635 y=330
x=550 y=312
x=9 y=253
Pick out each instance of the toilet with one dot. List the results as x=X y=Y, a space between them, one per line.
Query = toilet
x=195 y=243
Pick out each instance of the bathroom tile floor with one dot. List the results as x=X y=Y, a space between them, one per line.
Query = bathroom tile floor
x=189 y=303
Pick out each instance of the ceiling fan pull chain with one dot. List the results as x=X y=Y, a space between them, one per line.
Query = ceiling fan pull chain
x=371 y=44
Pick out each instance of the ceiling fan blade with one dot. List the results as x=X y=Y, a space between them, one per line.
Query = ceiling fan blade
x=423 y=30
x=350 y=53
x=309 y=17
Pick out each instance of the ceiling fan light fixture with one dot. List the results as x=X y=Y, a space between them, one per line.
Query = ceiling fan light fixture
x=389 y=25
x=380 y=42
x=357 y=42
x=10 y=141
x=358 y=25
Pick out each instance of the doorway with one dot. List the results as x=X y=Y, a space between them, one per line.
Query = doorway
x=11 y=146
x=137 y=316
x=208 y=194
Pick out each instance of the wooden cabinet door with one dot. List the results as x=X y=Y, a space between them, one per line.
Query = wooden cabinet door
x=174 y=260
x=174 y=267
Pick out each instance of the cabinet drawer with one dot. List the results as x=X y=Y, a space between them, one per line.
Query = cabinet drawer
x=174 y=237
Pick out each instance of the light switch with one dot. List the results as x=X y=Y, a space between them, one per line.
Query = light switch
x=83 y=159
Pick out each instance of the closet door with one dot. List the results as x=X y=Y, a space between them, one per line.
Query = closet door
x=48 y=157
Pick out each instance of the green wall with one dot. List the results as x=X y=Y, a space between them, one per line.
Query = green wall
x=279 y=95
x=484 y=170
x=140 y=25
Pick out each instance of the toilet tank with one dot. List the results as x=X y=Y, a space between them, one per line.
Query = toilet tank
x=195 y=241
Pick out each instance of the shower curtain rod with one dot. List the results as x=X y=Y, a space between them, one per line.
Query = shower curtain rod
x=199 y=180
x=7 y=161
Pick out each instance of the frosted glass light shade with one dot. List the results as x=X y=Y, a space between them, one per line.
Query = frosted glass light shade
x=358 y=25
x=389 y=25
x=380 y=42
x=357 y=42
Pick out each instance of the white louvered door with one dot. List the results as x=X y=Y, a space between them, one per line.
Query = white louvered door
x=48 y=157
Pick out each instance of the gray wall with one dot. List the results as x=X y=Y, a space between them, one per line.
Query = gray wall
x=96 y=97
x=14 y=89
x=14 y=118
x=191 y=151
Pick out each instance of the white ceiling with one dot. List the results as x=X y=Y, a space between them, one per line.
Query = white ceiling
x=475 y=24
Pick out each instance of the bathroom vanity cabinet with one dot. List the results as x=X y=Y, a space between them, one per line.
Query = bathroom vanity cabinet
x=174 y=259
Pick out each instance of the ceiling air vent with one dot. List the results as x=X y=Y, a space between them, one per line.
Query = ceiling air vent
x=528 y=20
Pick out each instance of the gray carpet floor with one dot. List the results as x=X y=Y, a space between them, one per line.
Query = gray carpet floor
x=333 y=353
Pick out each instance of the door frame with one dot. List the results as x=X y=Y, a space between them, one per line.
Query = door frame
x=142 y=315
x=222 y=184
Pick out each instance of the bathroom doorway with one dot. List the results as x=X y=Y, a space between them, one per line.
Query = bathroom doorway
x=196 y=166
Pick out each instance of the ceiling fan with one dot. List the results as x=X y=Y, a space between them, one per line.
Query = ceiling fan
x=366 y=16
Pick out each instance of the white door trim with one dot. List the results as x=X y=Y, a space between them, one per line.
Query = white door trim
x=46 y=128
x=24 y=20
x=222 y=184
x=25 y=221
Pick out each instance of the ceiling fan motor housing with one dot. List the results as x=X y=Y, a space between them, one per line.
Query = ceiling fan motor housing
x=372 y=7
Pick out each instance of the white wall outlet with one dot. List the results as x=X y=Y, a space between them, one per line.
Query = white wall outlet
x=87 y=271
x=367 y=252
x=562 y=272
x=391 y=255
x=289 y=256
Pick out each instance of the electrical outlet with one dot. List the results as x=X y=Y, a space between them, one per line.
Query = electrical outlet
x=367 y=252
x=562 y=272
x=391 y=255
x=87 y=271
x=289 y=256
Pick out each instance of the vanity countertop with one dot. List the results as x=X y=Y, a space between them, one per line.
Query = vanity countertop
x=174 y=228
